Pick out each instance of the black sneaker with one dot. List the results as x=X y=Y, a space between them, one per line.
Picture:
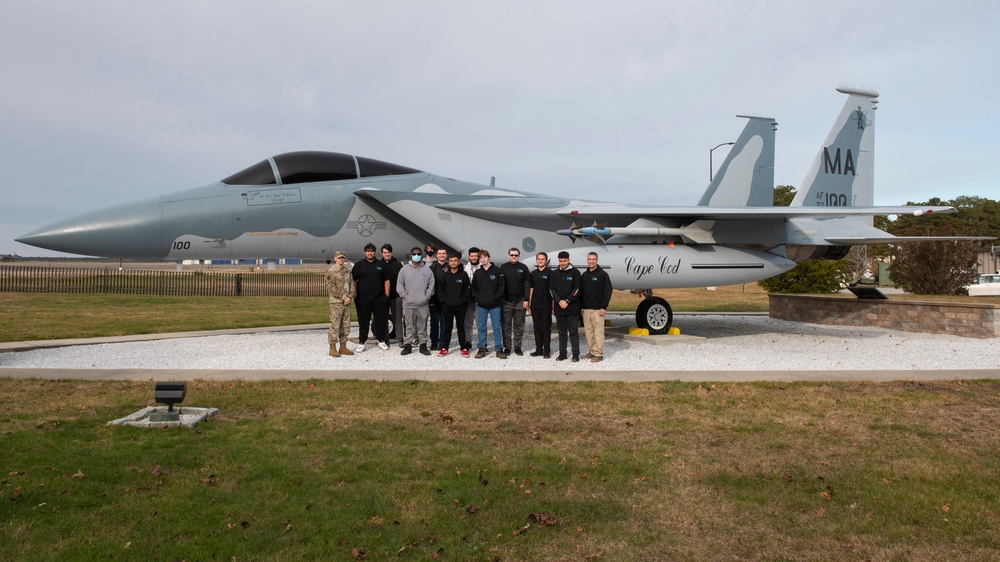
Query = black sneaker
x=536 y=353
x=561 y=357
x=423 y=349
x=518 y=352
x=546 y=356
x=576 y=358
x=407 y=349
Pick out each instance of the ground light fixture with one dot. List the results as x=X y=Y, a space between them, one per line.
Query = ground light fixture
x=168 y=393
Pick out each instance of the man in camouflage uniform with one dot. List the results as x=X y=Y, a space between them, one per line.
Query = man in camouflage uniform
x=340 y=288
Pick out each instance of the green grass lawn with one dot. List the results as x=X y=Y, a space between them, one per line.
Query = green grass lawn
x=43 y=316
x=350 y=470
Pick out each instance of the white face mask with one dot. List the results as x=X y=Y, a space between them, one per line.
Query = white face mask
x=417 y=258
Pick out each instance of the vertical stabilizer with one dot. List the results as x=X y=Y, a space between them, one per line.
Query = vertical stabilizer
x=746 y=177
x=843 y=173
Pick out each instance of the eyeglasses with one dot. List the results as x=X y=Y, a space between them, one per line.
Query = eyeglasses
x=416 y=254
x=513 y=255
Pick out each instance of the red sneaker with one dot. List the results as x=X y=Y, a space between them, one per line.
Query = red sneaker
x=465 y=353
x=443 y=352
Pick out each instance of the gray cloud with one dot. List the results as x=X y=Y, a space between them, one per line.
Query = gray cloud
x=114 y=101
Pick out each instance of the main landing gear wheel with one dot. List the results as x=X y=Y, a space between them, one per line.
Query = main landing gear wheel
x=655 y=315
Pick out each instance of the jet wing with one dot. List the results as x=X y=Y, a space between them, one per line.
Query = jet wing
x=609 y=212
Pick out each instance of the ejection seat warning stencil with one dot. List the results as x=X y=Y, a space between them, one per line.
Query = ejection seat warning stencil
x=272 y=196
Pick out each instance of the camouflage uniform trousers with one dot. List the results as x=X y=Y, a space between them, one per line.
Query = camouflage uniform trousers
x=340 y=322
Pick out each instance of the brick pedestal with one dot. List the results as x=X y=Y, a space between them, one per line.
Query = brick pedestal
x=971 y=320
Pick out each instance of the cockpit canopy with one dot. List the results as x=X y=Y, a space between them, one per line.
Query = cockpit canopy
x=311 y=166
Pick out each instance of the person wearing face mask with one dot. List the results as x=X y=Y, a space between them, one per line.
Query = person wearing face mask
x=415 y=286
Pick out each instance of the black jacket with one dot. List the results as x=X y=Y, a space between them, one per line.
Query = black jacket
x=565 y=285
x=393 y=267
x=455 y=290
x=487 y=287
x=516 y=284
x=539 y=279
x=438 y=270
x=595 y=289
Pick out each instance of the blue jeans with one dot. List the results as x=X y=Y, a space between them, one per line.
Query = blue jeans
x=494 y=315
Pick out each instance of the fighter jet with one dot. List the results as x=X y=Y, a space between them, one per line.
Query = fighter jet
x=310 y=204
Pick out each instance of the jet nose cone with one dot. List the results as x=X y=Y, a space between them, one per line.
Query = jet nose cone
x=125 y=231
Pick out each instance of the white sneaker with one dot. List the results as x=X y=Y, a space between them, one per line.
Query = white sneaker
x=383 y=346
x=360 y=349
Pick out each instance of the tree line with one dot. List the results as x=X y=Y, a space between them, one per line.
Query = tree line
x=932 y=267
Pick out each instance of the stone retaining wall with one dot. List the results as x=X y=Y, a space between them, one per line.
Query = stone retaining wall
x=971 y=320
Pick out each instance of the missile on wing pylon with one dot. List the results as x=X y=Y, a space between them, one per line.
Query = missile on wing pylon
x=695 y=235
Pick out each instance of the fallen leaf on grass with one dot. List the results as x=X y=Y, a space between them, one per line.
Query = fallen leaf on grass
x=79 y=474
x=542 y=518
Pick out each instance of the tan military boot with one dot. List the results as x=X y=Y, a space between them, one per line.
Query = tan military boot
x=333 y=350
x=344 y=350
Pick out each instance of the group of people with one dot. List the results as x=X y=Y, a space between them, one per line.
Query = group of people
x=435 y=287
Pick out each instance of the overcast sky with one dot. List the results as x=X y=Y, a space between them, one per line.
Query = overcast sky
x=108 y=102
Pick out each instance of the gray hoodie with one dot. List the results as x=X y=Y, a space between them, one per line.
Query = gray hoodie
x=415 y=285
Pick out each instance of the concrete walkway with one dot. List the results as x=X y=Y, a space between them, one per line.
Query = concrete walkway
x=496 y=376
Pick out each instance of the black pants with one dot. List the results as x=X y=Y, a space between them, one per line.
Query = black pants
x=454 y=317
x=367 y=310
x=394 y=311
x=541 y=320
x=437 y=324
x=569 y=325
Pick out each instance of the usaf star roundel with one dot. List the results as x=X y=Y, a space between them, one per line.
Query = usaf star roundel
x=366 y=225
